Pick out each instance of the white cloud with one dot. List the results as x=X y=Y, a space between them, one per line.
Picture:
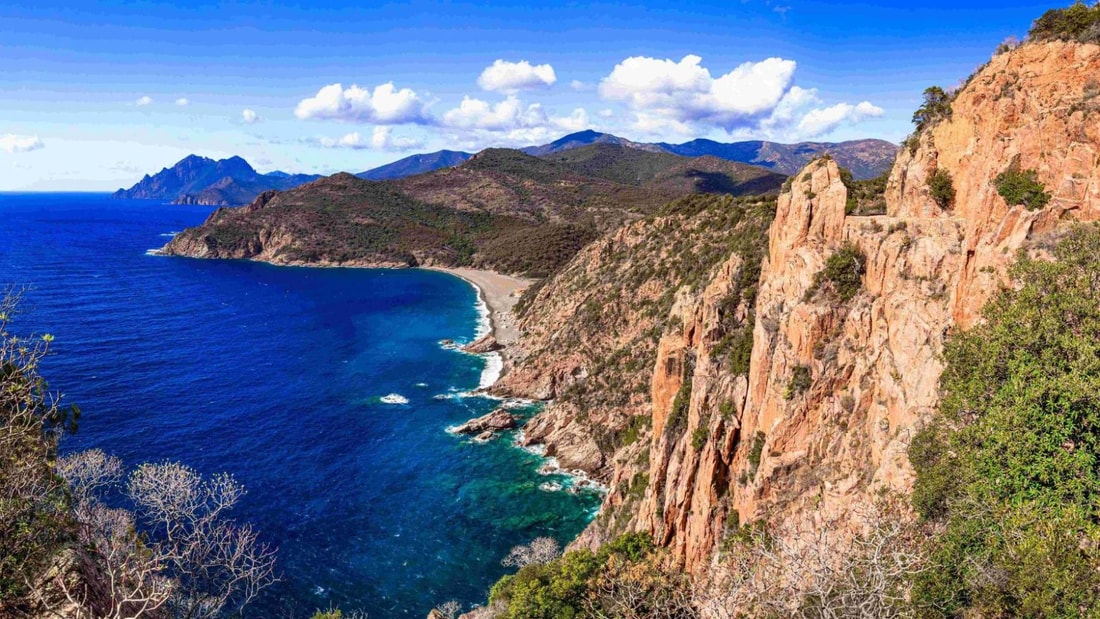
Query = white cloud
x=250 y=117
x=386 y=104
x=578 y=85
x=509 y=122
x=183 y=102
x=755 y=98
x=512 y=77
x=684 y=91
x=819 y=122
x=143 y=101
x=381 y=138
x=511 y=113
x=11 y=143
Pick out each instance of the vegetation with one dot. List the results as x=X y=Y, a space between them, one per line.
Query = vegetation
x=61 y=546
x=799 y=383
x=678 y=414
x=1022 y=187
x=36 y=522
x=625 y=579
x=936 y=107
x=842 y=275
x=1008 y=467
x=942 y=188
x=756 y=452
x=866 y=197
x=1079 y=22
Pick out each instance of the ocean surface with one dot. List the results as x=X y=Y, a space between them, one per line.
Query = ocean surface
x=277 y=375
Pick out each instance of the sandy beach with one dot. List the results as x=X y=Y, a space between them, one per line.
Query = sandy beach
x=500 y=293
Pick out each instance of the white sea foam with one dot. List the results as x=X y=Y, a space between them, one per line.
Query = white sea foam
x=169 y=234
x=551 y=486
x=394 y=398
x=494 y=365
x=153 y=252
x=422 y=385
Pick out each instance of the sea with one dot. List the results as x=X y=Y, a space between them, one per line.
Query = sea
x=326 y=392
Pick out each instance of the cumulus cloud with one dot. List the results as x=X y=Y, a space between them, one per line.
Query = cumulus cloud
x=381 y=138
x=183 y=102
x=819 y=122
x=143 y=101
x=512 y=77
x=386 y=105
x=755 y=98
x=684 y=91
x=250 y=117
x=11 y=143
x=510 y=122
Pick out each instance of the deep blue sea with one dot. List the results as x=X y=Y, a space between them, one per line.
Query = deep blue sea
x=275 y=375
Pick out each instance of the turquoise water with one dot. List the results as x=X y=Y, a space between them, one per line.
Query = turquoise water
x=275 y=374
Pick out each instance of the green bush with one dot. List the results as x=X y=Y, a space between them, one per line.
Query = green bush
x=799 y=383
x=677 y=416
x=1078 y=22
x=1022 y=187
x=1009 y=467
x=699 y=438
x=942 y=188
x=936 y=107
x=756 y=452
x=565 y=588
x=843 y=272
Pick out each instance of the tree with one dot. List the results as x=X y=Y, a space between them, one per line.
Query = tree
x=218 y=566
x=540 y=551
x=936 y=107
x=35 y=521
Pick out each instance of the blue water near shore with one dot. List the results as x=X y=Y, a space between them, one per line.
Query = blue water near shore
x=276 y=375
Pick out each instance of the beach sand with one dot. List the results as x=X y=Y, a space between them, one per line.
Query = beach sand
x=500 y=293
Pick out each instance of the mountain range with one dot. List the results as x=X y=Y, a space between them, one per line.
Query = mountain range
x=233 y=182
x=501 y=209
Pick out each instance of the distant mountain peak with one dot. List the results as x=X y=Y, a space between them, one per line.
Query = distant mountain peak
x=200 y=180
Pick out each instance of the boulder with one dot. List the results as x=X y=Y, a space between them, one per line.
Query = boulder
x=495 y=421
x=487 y=343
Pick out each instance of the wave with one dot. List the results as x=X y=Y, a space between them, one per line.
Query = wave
x=490 y=374
x=169 y=234
x=154 y=252
x=394 y=398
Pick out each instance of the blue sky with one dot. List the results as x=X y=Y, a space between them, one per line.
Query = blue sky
x=96 y=93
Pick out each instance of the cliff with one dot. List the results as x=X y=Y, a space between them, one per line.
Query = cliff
x=816 y=420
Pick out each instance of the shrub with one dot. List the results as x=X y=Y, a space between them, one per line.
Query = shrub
x=1078 y=22
x=756 y=452
x=799 y=383
x=942 y=188
x=1007 y=468
x=843 y=272
x=936 y=107
x=1022 y=187
x=677 y=416
x=699 y=438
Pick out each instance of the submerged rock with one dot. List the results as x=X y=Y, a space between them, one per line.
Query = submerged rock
x=493 y=422
x=485 y=436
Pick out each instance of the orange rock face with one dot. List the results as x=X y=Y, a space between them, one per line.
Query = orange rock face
x=873 y=362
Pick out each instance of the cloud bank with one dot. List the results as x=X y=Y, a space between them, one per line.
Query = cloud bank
x=11 y=143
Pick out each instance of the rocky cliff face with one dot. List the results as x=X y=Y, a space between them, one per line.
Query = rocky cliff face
x=819 y=420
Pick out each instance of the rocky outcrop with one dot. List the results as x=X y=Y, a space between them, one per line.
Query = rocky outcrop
x=495 y=421
x=818 y=420
x=485 y=344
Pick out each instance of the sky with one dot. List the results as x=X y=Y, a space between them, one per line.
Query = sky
x=95 y=94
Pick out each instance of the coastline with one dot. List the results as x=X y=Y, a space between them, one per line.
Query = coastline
x=499 y=294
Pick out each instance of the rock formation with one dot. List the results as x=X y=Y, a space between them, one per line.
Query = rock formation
x=495 y=421
x=820 y=419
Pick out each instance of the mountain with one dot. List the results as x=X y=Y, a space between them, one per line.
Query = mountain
x=416 y=164
x=585 y=138
x=201 y=180
x=865 y=158
x=502 y=209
